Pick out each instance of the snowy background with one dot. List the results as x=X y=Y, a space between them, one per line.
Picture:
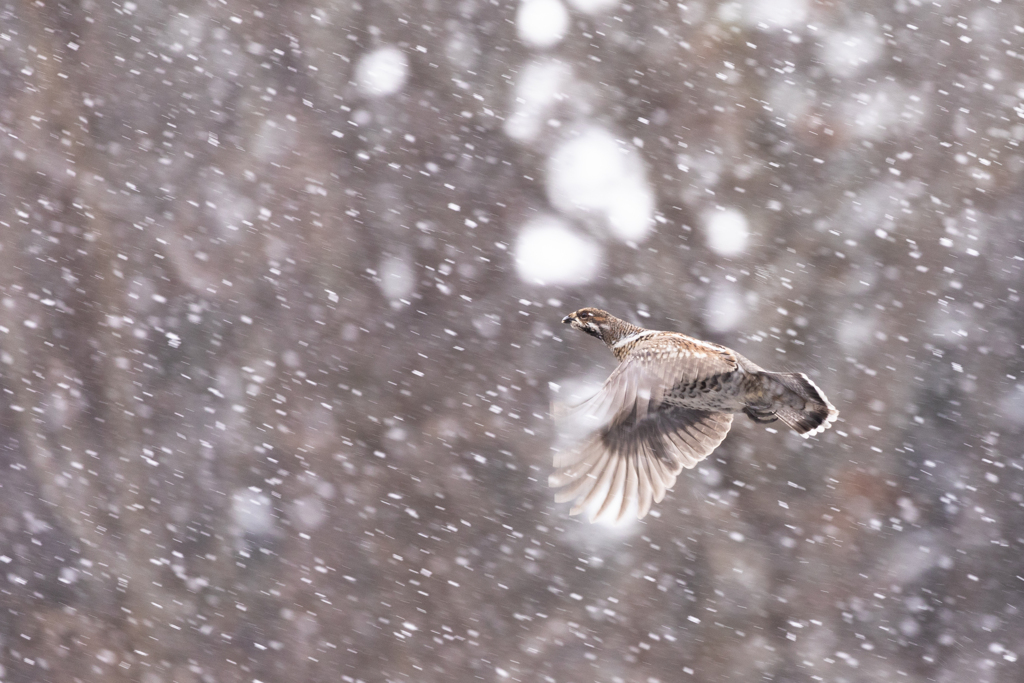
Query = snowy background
x=280 y=291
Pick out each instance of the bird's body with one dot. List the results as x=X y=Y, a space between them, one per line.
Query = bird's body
x=666 y=407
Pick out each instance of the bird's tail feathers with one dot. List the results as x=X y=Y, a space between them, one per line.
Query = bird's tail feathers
x=799 y=403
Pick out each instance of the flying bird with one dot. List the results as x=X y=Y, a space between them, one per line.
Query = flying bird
x=667 y=406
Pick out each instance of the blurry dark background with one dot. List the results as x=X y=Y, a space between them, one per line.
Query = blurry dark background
x=281 y=287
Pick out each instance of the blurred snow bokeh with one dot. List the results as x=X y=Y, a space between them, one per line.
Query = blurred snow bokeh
x=593 y=172
x=726 y=309
x=538 y=89
x=252 y=512
x=727 y=231
x=397 y=277
x=849 y=51
x=549 y=252
x=772 y=14
x=541 y=23
x=594 y=6
x=382 y=71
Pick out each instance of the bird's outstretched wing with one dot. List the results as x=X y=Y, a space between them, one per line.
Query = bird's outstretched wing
x=639 y=443
x=639 y=384
x=636 y=462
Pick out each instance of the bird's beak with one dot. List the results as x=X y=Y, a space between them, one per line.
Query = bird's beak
x=568 y=319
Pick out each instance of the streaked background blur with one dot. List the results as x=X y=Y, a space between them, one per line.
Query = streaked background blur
x=280 y=291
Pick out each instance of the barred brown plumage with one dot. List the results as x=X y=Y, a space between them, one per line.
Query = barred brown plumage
x=667 y=406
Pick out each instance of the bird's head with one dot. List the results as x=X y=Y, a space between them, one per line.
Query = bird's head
x=593 y=321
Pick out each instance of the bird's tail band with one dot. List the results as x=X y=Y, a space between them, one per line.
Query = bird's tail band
x=798 y=402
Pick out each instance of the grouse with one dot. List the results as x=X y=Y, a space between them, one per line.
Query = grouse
x=667 y=406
